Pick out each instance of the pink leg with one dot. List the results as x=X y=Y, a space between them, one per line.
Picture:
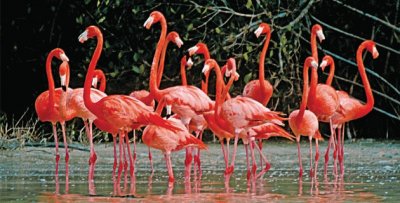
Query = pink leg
x=125 y=166
x=151 y=161
x=316 y=158
x=198 y=156
x=66 y=151
x=115 y=156
x=299 y=155
x=56 y=141
x=230 y=169
x=342 y=127
x=260 y=145
x=134 y=146
x=171 y=178
x=188 y=163
x=224 y=153
x=331 y=140
x=311 y=158
x=131 y=159
x=121 y=158
x=247 y=163
x=254 y=165
x=267 y=164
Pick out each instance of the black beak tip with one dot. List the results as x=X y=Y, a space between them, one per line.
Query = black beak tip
x=64 y=88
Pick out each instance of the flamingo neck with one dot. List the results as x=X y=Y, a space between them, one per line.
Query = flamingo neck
x=183 y=71
x=314 y=49
x=204 y=84
x=312 y=94
x=102 y=82
x=305 y=92
x=90 y=73
x=154 y=66
x=331 y=74
x=261 y=75
x=50 y=79
x=366 y=108
x=162 y=61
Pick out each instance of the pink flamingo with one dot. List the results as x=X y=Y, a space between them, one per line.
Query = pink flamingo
x=77 y=109
x=47 y=104
x=302 y=121
x=351 y=108
x=123 y=112
x=239 y=113
x=185 y=101
x=168 y=141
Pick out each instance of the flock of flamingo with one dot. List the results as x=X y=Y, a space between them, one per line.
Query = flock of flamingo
x=190 y=111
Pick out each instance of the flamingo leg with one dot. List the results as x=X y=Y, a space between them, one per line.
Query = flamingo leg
x=125 y=165
x=188 y=163
x=134 y=146
x=260 y=145
x=230 y=169
x=151 y=161
x=197 y=158
x=115 y=157
x=342 y=127
x=56 y=141
x=311 y=165
x=254 y=165
x=299 y=156
x=131 y=159
x=66 y=151
x=316 y=158
x=330 y=142
x=171 y=178
x=121 y=163
x=267 y=164
x=224 y=153
x=247 y=163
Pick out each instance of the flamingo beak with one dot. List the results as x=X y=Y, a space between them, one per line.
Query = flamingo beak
x=193 y=50
x=237 y=76
x=148 y=22
x=320 y=35
x=94 y=82
x=83 y=37
x=178 y=42
x=258 y=31
x=205 y=68
x=189 y=63
x=323 y=64
x=375 y=52
x=64 y=57
x=314 y=64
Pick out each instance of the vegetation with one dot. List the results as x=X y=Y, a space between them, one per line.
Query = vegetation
x=227 y=28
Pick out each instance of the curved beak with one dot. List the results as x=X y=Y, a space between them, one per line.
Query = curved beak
x=193 y=50
x=258 y=31
x=94 y=82
x=83 y=37
x=63 y=81
x=64 y=57
x=320 y=35
x=148 y=22
x=178 y=42
x=189 y=62
x=314 y=64
x=323 y=64
x=375 y=52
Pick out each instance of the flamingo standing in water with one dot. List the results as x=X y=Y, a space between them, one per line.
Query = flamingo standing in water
x=168 y=141
x=302 y=121
x=75 y=108
x=322 y=100
x=47 y=104
x=123 y=112
x=239 y=113
x=185 y=101
x=260 y=90
x=351 y=108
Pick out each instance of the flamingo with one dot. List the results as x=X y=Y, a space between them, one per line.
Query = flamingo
x=47 y=104
x=260 y=90
x=185 y=101
x=239 y=113
x=77 y=109
x=351 y=108
x=123 y=112
x=322 y=100
x=169 y=141
x=305 y=122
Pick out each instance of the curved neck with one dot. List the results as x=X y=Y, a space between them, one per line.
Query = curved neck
x=183 y=71
x=366 y=108
x=50 y=79
x=102 y=82
x=331 y=74
x=314 y=49
x=305 y=91
x=312 y=94
x=162 y=61
x=90 y=73
x=262 y=60
x=204 y=84
x=154 y=66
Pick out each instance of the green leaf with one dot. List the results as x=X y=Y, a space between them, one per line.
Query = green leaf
x=217 y=30
x=120 y=55
x=249 y=4
x=190 y=27
x=247 y=77
x=136 y=69
x=246 y=56
x=135 y=57
x=102 y=19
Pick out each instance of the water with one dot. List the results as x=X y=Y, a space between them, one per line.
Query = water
x=372 y=175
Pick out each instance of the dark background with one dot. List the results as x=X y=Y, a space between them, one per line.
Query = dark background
x=29 y=30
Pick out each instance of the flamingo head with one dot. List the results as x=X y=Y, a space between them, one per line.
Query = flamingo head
x=317 y=29
x=60 y=54
x=154 y=17
x=371 y=47
x=262 y=29
x=207 y=65
x=64 y=75
x=200 y=48
x=326 y=61
x=90 y=32
x=231 y=69
x=189 y=63
x=174 y=37
x=311 y=62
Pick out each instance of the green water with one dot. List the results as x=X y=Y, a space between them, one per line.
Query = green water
x=372 y=174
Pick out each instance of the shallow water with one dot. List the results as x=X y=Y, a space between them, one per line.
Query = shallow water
x=372 y=174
